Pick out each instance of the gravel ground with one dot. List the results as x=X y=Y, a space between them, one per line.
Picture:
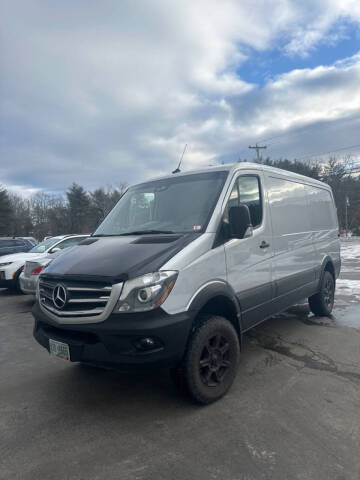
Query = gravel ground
x=293 y=412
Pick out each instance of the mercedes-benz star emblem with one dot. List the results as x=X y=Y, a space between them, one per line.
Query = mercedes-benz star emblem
x=59 y=296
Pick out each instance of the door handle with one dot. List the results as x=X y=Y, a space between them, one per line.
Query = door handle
x=264 y=244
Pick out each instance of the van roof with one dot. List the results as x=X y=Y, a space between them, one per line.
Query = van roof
x=233 y=167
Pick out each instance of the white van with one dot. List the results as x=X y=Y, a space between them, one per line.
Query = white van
x=184 y=265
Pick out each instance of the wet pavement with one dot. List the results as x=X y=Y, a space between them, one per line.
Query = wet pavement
x=292 y=413
x=347 y=307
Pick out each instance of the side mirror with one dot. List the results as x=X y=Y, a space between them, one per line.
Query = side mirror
x=240 y=222
x=55 y=249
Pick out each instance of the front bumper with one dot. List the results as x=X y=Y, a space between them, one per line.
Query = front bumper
x=116 y=341
x=7 y=276
x=5 y=282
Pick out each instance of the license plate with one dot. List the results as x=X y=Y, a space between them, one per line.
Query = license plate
x=59 y=349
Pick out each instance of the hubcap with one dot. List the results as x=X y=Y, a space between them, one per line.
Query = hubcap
x=214 y=360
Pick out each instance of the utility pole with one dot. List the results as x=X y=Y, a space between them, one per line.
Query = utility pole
x=257 y=148
x=347 y=204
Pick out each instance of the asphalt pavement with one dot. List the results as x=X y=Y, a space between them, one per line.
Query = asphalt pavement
x=292 y=413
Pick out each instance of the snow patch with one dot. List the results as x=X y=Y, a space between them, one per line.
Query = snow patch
x=348 y=288
x=349 y=316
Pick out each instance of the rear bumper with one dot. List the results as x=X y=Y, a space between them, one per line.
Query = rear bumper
x=116 y=342
x=28 y=285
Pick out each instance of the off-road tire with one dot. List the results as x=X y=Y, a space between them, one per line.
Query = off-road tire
x=322 y=303
x=211 y=360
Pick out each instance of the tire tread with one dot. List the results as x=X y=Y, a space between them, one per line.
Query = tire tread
x=205 y=325
x=316 y=302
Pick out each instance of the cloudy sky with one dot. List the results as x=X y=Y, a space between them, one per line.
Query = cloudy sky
x=108 y=92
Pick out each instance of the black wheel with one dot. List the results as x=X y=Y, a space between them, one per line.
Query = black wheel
x=211 y=360
x=15 y=287
x=322 y=302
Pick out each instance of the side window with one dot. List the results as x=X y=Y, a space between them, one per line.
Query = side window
x=288 y=202
x=321 y=209
x=249 y=190
x=19 y=243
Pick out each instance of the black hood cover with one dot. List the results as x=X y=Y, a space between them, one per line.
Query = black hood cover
x=116 y=259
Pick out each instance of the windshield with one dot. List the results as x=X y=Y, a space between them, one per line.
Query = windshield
x=173 y=205
x=43 y=246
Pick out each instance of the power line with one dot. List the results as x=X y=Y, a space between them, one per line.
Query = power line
x=287 y=134
x=328 y=152
x=311 y=155
x=301 y=130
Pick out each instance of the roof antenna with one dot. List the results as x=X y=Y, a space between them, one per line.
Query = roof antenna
x=177 y=170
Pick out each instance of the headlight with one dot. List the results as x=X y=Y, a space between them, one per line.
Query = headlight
x=5 y=264
x=147 y=292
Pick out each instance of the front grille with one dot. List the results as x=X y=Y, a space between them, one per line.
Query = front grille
x=83 y=299
x=29 y=267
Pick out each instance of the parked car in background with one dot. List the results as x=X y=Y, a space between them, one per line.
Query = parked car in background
x=29 y=276
x=32 y=240
x=9 y=245
x=11 y=265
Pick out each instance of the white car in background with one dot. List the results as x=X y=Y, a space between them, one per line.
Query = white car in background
x=29 y=276
x=11 y=265
x=32 y=240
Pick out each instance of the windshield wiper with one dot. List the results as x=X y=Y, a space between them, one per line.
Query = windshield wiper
x=144 y=232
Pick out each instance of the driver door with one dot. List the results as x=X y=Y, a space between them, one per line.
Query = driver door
x=249 y=260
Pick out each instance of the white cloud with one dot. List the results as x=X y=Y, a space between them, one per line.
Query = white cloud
x=108 y=92
x=310 y=95
x=23 y=191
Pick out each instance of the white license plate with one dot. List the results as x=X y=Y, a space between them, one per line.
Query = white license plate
x=59 y=349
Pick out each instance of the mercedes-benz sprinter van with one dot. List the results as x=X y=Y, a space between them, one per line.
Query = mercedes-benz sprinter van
x=184 y=265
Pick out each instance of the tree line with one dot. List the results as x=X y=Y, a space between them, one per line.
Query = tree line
x=81 y=211
x=45 y=214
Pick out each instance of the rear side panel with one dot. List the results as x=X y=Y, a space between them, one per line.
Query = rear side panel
x=294 y=253
x=324 y=226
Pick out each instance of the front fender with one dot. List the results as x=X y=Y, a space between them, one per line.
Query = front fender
x=212 y=290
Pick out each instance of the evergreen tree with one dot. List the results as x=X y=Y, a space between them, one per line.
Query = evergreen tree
x=102 y=201
x=78 y=207
x=5 y=213
x=312 y=170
